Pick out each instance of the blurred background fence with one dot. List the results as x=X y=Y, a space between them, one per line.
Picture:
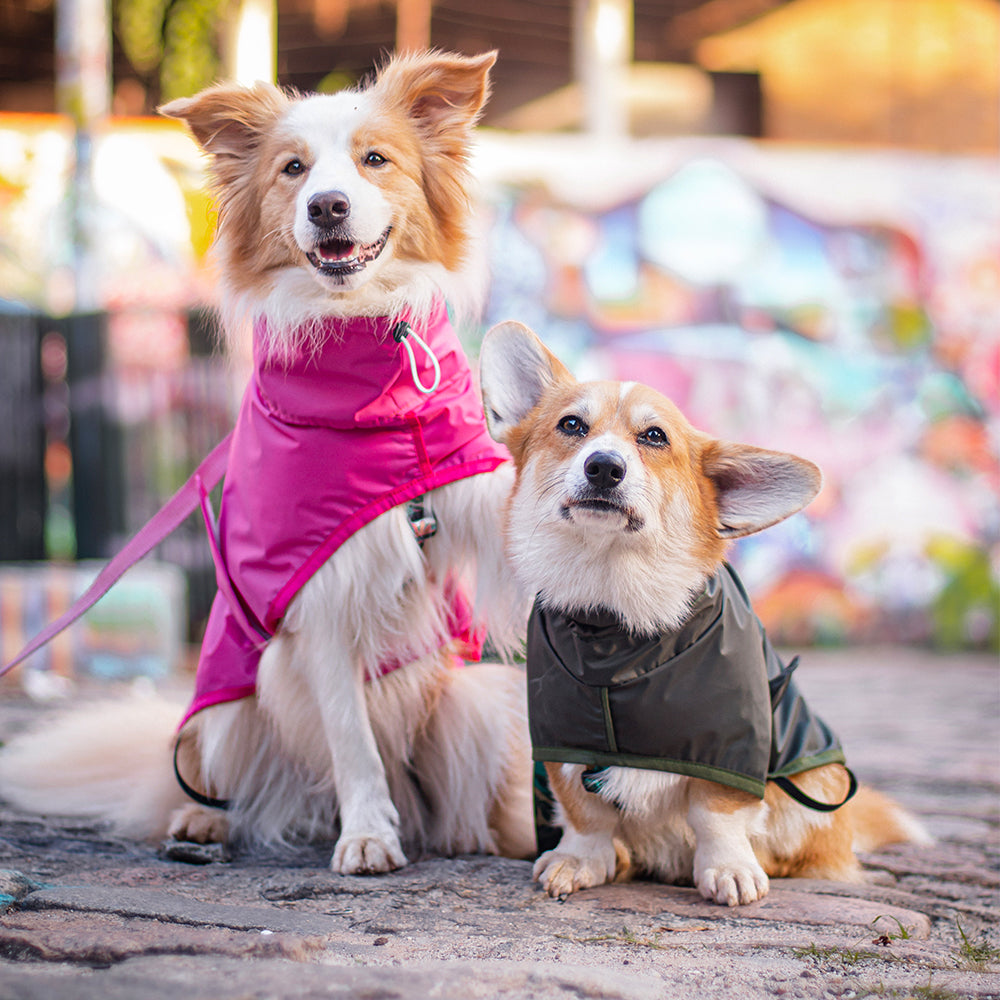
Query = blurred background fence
x=89 y=449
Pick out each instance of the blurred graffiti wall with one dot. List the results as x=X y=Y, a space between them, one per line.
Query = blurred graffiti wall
x=838 y=304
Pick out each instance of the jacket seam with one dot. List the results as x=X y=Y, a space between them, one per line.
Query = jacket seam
x=609 y=726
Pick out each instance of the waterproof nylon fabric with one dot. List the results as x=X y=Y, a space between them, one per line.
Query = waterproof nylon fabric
x=322 y=446
x=711 y=700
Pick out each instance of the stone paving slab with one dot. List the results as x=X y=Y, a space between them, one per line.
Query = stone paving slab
x=96 y=938
x=171 y=906
x=85 y=914
x=201 y=978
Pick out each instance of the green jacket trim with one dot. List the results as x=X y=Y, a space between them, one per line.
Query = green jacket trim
x=835 y=755
x=561 y=755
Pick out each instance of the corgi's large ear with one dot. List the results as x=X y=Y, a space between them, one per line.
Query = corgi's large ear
x=756 y=488
x=227 y=120
x=515 y=369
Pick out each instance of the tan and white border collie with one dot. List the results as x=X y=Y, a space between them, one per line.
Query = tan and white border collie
x=386 y=165
x=641 y=543
x=427 y=756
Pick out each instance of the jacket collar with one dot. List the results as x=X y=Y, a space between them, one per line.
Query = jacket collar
x=380 y=387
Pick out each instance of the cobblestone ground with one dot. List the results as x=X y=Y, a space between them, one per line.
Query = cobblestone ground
x=88 y=915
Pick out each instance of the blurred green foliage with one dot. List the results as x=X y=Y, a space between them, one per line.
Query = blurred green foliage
x=966 y=612
x=178 y=42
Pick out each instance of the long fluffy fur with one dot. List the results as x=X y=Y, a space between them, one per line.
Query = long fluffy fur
x=110 y=759
x=430 y=755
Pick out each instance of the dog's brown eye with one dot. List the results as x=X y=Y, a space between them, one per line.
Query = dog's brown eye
x=573 y=426
x=654 y=436
x=374 y=159
x=294 y=167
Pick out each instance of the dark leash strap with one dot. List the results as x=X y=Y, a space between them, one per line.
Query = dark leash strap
x=193 y=793
x=547 y=833
x=793 y=790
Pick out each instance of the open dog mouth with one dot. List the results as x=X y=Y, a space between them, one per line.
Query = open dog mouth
x=342 y=257
x=598 y=505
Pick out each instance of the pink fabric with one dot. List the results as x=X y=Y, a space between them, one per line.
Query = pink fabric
x=322 y=446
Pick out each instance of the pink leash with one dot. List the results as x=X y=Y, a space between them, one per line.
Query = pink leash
x=171 y=515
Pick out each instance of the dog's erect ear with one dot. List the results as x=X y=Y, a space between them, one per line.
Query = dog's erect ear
x=756 y=488
x=227 y=120
x=515 y=369
x=441 y=93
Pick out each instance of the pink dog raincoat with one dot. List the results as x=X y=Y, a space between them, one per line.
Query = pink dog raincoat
x=323 y=445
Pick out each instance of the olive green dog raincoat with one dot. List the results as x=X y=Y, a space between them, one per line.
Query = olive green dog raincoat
x=711 y=700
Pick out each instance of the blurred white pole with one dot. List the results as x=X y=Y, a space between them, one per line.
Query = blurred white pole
x=254 y=42
x=83 y=62
x=603 y=49
x=83 y=93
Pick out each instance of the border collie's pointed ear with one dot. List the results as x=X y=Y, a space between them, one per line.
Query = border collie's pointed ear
x=515 y=369
x=441 y=92
x=756 y=488
x=227 y=119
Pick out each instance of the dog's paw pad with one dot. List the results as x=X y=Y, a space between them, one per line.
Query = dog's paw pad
x=562 y=874
x=367 y=855
x=733 y=885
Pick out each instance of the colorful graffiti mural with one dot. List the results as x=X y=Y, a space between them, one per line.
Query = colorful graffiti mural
x=843 y=306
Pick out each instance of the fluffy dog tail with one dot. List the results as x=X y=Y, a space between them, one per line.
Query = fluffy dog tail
x=110 y=761
x=878 y=821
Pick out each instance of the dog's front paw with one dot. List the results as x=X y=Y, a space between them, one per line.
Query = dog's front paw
x=367 y=854
x=732 y=884
x=562 y=874
x=199 y=824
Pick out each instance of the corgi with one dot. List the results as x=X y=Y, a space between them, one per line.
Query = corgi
x=673 y=737
x=358 y=546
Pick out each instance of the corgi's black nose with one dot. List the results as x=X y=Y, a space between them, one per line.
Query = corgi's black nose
x=329 y=208
x=604 y=469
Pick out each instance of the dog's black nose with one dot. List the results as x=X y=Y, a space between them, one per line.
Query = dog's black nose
x=604 y=469
x=328 y=208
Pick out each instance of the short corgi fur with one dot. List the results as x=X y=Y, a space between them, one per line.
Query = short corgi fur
x=621 y=509
x=352 y=205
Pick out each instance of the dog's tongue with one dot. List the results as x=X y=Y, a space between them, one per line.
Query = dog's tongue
x=335 y=250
